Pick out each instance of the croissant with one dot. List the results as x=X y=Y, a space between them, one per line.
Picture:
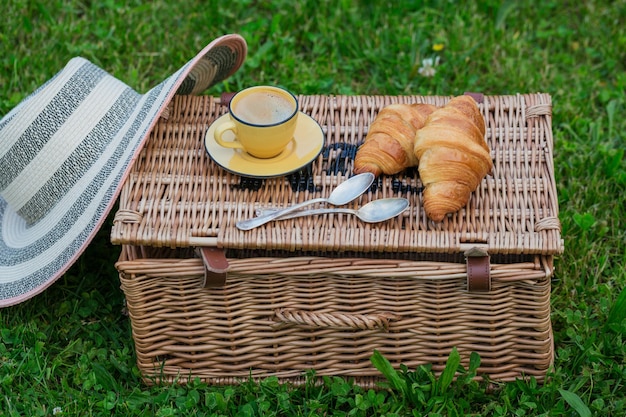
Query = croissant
x=453 y=156
x=389 y=145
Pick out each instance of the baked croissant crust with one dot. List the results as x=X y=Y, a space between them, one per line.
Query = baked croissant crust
x=453 y=156
x=389 y=145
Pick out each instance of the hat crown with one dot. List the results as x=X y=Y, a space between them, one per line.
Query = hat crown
x=57 y=133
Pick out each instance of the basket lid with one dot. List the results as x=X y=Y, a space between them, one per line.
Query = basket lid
x=177 y=196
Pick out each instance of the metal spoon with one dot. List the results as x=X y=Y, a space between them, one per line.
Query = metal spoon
x=343 y=194
x=373 y=212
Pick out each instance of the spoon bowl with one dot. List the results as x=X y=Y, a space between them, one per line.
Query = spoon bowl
x=372 y=212
x=345 y=192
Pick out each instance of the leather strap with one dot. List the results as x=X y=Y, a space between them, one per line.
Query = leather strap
x=215 y=267
x=478 y=97
x=478 y=270
x=225 y=98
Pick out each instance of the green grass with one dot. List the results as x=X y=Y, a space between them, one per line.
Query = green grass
x=71 y=348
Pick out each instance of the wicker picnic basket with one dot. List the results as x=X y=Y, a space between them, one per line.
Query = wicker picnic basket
x=322 y=293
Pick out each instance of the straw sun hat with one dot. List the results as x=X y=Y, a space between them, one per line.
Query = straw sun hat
x=65 y=152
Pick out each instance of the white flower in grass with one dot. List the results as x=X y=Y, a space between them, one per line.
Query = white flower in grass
x=428 y=67
x=56 y=410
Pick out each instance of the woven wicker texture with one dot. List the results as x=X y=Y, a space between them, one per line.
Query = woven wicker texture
x=327 y=314
x=176 y=197
x=322 y=293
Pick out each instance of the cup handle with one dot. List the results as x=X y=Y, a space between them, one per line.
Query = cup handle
x=219 y=132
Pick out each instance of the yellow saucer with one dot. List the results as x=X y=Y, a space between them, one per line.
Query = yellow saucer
x=304 y=148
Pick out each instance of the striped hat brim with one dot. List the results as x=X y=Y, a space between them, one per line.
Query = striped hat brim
x=65 y=151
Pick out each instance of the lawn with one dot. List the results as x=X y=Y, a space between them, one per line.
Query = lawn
x=69 y=350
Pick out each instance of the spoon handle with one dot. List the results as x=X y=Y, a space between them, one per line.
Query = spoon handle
x=303 y=213
x=259 y=221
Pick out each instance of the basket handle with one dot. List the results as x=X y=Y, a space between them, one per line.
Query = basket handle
x=292 y=316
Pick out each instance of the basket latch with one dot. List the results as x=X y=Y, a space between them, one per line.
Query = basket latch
x=215 y=266
x=478 y=270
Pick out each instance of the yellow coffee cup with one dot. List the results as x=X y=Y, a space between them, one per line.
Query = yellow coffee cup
x=263 y=120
